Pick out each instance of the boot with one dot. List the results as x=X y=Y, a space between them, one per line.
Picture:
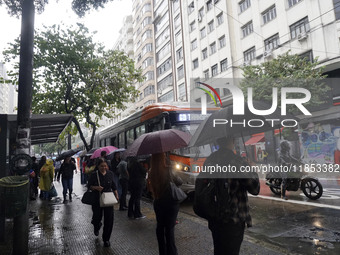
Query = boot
x=65 y=201
x=70 y=197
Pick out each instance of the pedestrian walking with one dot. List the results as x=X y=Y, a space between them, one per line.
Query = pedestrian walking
x=124 y=183
x=66 y=172
x=35 y=181
x=46 y=179
x=166 y=209
x=114 y=168
x=106 y=185
x=228 y=230
x=137 y=174
x=265 y=157
x=57 y=165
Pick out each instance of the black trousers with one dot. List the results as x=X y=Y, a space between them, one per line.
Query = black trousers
x=136 y=189
x=227 y=237
x=108 y=220
x=166 y=214
x=124 y=184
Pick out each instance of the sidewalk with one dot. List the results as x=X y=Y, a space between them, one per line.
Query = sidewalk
x=57 y=228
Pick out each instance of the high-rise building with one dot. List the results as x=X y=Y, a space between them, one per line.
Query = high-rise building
x=8 y=94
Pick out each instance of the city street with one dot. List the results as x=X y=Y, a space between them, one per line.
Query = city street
x=295 y=226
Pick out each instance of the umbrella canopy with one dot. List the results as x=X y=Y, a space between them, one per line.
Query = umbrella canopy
x=88 y=153
x=110 y=156
x=228 y=124
x=66 y=154
x=108 y=149
x=157 y=142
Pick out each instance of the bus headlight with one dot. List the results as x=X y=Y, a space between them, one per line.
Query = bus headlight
x=181 y=167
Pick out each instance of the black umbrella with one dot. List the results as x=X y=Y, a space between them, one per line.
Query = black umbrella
x=224 y=123
x=68 y=153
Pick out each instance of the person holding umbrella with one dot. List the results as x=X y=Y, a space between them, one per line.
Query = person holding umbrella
x=165 y=207
x=66 y=171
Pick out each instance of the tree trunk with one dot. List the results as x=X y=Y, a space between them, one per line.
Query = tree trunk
x=75 y=121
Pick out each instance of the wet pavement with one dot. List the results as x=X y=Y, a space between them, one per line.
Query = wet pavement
x=57 y=228
x=280 y=227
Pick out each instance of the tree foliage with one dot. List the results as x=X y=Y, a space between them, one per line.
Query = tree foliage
x=74 y=75
x=286 y=70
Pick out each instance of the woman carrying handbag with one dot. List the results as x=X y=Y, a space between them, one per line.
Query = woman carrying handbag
x=102 y=181
x=165 y=205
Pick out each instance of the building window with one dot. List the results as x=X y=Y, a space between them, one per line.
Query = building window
x=162 y=37
x=206 y=74
x=192 y=26
x=272 y=42
x=308 y=56
x=175 y=4
x=160 y=22
x=221 y=42
x=203 y=33
x=164 y=67
x=212 y=48
x=336 y=4
x=220 y=19
x=177 y=21
x=149 y=90
x=147 y=62
x=299 y=27
x=194 y=44
x=247 y=29
x=201 y=13
x=147 y=48
x=147 y=34
x=209 y=5
x=148 y=103
x=211 y=26
x=204 y=53
x=293 y=2
x=224 y=65
x=149 y=76
x=181 y=91
x=168 y=97
x=244 y=5
x=164 y=83
x=191 y=7
x=195 y=63
x=163 y=52
x=179 y=54
x=214 y=70
x=178 y=37
x=180 y=72
x=269 y=14
x=249 y=55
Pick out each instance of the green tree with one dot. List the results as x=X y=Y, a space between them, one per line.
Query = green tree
x=74 y=75
x=286 y=70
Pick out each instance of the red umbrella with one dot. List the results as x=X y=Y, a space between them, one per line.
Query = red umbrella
x=108 y=149
x=159 y=141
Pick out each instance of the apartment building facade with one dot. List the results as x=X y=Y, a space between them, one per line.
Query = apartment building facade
x=8 y=94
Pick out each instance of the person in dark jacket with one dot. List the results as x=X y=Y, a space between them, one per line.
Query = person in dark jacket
x=166 y=209
x=137 y=174
x=228 y=231
x=106 y=185
x=114 y=168
x=66 y=172
x=124 y=183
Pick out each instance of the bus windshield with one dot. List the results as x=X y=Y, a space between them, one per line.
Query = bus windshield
x=194 y=152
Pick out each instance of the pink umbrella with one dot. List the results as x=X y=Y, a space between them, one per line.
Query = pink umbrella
x=108 y=149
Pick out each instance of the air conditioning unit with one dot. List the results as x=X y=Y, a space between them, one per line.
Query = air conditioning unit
x=199 y=18
x=302 y=36
x=267 y=53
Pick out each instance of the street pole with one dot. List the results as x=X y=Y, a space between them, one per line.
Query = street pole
x=20 y=223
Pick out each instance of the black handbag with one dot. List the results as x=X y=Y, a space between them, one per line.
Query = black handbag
x=177 y=194
x=90 y=197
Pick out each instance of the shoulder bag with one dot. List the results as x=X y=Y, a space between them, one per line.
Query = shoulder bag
x=106 y=198
x=177 y=194
x=89 y=197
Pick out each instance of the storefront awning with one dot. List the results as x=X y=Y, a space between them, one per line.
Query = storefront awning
x=45 y=128
x=255 y=139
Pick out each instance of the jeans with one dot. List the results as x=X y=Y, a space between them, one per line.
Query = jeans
x=227 y=237
x=67 y=185
x=166 y=214
x=136 y=189
x=108 y=220
x=124 y=184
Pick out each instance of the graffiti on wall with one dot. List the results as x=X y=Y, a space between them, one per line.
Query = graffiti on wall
x=319 y=143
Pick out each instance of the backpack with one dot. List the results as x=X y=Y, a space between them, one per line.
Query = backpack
x=212 y=200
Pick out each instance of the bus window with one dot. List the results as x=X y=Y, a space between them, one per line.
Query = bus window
x=102 y=143
x=107 y=142
x=121 y=140
x=140 y=130
x=113 y=142
x=129 y=137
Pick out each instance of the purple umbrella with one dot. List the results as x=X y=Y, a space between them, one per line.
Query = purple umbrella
x=159 y=141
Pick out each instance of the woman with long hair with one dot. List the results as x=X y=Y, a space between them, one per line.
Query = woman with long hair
x=106 y=184
x=165 y=207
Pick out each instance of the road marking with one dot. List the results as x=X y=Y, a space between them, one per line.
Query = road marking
x=297 y=202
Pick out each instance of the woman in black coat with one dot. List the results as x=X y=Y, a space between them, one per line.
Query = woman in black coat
x=107 y=184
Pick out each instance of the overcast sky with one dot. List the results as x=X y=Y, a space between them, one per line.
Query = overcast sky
x=107 y=21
